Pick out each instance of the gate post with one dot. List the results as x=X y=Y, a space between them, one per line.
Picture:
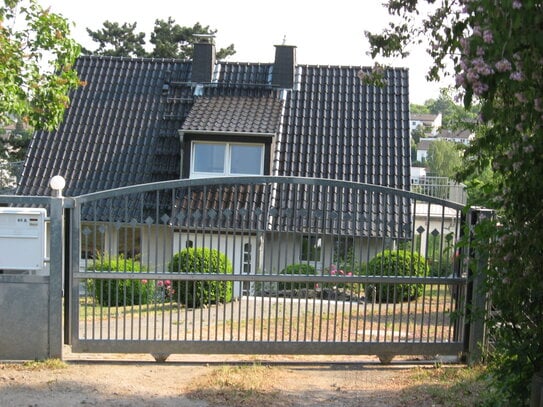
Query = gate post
x=55 y=278
x=476 y=301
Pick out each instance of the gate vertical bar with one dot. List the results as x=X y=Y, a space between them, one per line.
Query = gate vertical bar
x=55 y=278
x=476 y=303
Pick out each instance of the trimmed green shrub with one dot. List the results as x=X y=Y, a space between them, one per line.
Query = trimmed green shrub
x=302 y=268
x=397 y=263
x=201 y=260
x=120 y=292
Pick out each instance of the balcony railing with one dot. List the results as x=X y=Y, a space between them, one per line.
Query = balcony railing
x=439 y=187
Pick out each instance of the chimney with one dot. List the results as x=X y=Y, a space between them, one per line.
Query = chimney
x=284 y=66
x=203 y=58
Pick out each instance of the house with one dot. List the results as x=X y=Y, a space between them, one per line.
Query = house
x=457 y=136
x=430 y=123
x=422 y=149
x=145 y=120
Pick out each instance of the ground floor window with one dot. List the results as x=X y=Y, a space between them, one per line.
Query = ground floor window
x=311 y=249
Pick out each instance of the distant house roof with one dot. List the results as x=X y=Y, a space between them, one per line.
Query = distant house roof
x=423 y=117
x=456 y=134
x=424 y=145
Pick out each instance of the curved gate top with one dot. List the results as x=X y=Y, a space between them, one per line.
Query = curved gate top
x=266 y=265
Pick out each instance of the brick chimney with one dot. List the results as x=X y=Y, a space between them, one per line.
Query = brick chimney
x=284 y=66
x=203 y=58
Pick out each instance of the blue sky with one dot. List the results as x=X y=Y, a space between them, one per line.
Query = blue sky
x=325 y=33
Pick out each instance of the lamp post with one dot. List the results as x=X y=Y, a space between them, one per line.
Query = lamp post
x=57 y=184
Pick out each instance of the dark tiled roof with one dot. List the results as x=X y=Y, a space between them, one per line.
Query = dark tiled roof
x=235 y=114
x=122 y=128
x=334 y=127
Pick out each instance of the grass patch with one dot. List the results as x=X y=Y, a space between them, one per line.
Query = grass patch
x=451 y=386
x=46 y=364
x=244 y=386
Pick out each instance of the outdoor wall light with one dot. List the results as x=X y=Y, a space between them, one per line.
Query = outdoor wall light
x=57 y=184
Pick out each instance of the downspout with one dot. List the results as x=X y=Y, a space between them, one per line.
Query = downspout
x=182 y=152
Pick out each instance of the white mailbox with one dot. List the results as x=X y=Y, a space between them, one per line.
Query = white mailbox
x=22 y=238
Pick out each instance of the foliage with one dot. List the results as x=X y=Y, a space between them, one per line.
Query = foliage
x=397 y=263
x=13 y=146
x=297 y=269
x=446 y=386
x=496 y=52
x=194 y=293
x=454 y=115
x=444 y=159
x=168 y=40
x=118 y=40
x=120 y=292
x=36 y=64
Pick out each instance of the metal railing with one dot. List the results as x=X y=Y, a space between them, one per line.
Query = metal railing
x=440 y=187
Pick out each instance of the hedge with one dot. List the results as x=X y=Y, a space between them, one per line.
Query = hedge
x=120 y=292
x=397 y=263
x=194 y=293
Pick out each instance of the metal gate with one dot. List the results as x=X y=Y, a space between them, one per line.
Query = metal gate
x=267 y=265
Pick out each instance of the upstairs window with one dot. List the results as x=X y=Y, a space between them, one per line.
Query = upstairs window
x=215 y=159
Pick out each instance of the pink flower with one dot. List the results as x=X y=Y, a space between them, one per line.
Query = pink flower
x=488 y=37
x=517 y=4
x=516 y=76
x=144 y=281
x=160 y=283
x=521 y=97
x=167 y=282
x=503 y=65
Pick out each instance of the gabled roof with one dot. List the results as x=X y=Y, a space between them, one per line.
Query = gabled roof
x=122 y=128
x=456 y=134
x=234 y=114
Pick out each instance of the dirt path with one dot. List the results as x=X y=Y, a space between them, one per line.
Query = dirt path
x=127 y=381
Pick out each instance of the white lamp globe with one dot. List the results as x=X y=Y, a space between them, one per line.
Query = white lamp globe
x=57 y=183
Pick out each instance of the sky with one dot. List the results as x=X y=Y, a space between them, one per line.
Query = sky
x=325 y=33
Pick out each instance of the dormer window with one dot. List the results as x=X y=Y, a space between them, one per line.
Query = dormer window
x=216 y=159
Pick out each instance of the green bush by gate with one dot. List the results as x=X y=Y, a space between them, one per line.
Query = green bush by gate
x=194 y=293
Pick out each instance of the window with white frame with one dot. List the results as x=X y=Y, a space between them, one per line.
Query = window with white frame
x=214 y=159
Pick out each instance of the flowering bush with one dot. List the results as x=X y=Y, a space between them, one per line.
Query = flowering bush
x=334 y=271
x=165 y=290
x=497 y=55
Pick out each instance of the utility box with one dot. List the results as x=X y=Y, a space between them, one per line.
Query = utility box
x=22 y=238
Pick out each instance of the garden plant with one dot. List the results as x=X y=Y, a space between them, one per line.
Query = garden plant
x=120 y=292
x=495 y=52
x=194 y=293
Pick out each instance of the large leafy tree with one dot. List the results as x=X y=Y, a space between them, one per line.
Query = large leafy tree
x=168 y=40
x=36 y=64
x=495 y=50
x=444 y=159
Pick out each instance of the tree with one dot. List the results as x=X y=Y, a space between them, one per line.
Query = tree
x=118 y=40
x=13 y=144
x=496 y=54
x=168 y=39
x=36 y=64
x=444 y=159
